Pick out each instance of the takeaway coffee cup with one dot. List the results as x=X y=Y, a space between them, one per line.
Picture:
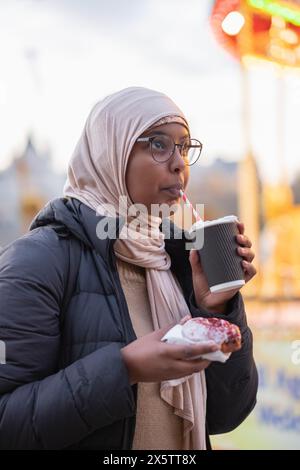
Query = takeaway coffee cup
x=221 y=263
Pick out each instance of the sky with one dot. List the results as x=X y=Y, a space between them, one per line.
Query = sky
x=59 y=57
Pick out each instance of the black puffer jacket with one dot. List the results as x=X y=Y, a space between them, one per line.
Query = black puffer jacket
x=64 y=385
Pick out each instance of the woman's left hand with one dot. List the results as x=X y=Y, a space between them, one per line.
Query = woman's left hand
x=217 y=302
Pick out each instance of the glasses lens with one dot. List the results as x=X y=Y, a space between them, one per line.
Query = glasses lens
x=194 y=151
x=162 y=148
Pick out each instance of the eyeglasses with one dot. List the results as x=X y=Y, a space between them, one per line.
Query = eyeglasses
x=163 y=147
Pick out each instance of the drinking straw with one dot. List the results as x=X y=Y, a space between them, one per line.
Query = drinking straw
x=189 y=204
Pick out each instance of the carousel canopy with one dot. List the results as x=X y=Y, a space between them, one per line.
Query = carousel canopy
x=268 y=29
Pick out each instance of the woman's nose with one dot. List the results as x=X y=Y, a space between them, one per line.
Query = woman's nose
x=177 y=162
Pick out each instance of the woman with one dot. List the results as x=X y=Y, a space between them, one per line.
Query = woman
x=83 y=311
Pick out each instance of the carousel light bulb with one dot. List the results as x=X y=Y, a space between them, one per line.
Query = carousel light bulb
x=289 y=36
x=233 y=23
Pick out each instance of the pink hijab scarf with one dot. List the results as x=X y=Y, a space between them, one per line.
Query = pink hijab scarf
x=96 y=177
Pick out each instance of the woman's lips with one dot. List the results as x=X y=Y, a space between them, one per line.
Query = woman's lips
x=174 y=192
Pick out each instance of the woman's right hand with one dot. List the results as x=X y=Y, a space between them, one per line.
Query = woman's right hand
x=148 y=359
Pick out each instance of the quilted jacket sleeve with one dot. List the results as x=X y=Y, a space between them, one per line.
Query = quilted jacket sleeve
x=42 y=407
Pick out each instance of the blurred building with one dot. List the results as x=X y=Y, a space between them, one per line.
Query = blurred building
x=215 y=187
x=25 y=186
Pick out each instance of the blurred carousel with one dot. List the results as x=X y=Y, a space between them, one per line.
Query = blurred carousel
x=254 y=31
x=267 y=32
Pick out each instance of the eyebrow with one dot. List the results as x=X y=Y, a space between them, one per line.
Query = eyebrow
x=154 y=133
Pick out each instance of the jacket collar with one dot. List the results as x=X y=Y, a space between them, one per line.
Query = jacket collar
x=175 y=239
x=69 y=215
x=174 y=236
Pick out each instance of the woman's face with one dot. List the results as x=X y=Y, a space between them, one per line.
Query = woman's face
x=149 y=182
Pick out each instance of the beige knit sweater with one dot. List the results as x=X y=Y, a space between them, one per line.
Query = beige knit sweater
x=156 y=427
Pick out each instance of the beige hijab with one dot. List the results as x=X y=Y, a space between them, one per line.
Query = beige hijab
x=96 y=177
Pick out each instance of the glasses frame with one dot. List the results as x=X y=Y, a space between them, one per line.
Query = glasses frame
x=150 y=139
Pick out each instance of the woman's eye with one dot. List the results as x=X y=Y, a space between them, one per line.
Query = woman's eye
x=158 y=144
